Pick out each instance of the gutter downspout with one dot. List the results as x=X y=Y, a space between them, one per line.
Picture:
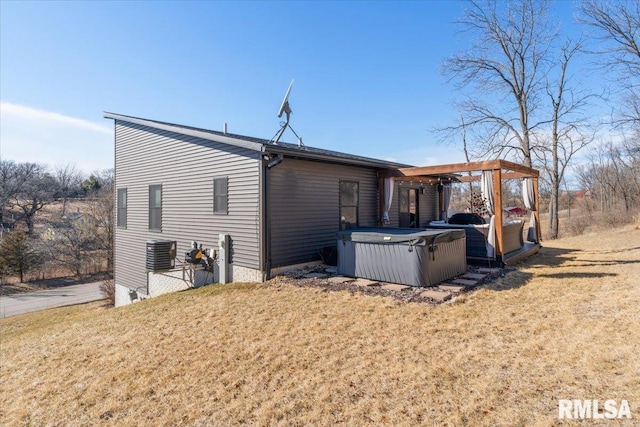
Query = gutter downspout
x=268 y=164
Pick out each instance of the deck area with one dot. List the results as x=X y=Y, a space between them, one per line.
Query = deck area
x=511 y=258
x=525 y=251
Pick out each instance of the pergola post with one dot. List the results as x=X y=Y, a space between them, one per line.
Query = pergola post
x=440 y=191
x=497 y=206
x=536 y=213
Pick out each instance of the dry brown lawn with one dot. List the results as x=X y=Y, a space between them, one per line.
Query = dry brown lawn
x=562 y=326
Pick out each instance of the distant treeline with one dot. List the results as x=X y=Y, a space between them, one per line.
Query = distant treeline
x=39 y=237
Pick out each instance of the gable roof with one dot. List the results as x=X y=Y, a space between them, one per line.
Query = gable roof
x=259 y=144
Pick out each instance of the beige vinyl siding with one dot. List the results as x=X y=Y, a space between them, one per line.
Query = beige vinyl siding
x=185 y=167
x=305 y=206
x=427 y=202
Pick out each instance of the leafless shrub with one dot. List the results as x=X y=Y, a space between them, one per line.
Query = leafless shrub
x=576 y=225
x=108 y=290
x=616 y=218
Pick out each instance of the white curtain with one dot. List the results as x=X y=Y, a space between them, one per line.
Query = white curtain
x=530 y=203
x=486 y=185
x=388 y=198
x=446 y=198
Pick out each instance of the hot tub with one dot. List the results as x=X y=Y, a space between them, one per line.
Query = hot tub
x=406 y=256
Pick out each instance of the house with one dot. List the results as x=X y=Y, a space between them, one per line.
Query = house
x=280 y=204
x=6 y=227
x=81 y=222
x=514 y=211
x=257 y=207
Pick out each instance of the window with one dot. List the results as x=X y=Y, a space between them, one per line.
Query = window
x=122 y=208
x=220 y=196
x=349 y=200
x=155 y=207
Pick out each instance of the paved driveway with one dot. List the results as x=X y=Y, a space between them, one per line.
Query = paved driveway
x=41 y=300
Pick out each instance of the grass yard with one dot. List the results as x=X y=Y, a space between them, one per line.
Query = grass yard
x=564 y=325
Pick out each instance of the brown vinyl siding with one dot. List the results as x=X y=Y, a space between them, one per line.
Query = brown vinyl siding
x=185 y=167
x=305 y=206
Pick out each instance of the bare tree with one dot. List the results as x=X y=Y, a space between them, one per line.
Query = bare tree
x=71 y=246
x=617 y=27
x=612 y=176
x=69 y=178
x=106 y=178
x=102 y=210
x=36 y=189
x=465 y=149
x=78 y=242
x=523 y=101
x=8 y=185
x=631 y=161
x=504 y=70
x=569 y=131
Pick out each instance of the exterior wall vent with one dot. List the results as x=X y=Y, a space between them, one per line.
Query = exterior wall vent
x=161 y=255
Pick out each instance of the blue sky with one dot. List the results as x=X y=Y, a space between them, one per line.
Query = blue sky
x=367 y=74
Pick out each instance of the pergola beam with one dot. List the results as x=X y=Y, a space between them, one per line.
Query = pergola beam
x=505 y=176
x=422 y=178
x=515 y=167
x=460 y=168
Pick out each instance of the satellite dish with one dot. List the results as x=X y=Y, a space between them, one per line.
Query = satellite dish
x=284 y=108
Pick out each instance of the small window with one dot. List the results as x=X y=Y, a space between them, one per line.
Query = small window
x=220 y=196
x=155 y=207
x=122 y=208
x=349 y=204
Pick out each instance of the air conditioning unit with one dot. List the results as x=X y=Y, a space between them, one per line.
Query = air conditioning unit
x=161 y=255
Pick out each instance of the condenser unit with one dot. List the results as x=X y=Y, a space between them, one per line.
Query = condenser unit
x=161 y=255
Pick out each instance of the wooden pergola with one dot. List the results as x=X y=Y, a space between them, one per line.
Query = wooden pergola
x=501 y=170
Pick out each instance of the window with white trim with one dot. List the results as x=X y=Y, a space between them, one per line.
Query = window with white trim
x=220 y=196
x=122 y=208
x=155 y=207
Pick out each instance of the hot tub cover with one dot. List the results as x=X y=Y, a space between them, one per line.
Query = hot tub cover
x=410 y=236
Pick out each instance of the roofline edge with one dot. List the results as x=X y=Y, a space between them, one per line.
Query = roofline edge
x=255 y=146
